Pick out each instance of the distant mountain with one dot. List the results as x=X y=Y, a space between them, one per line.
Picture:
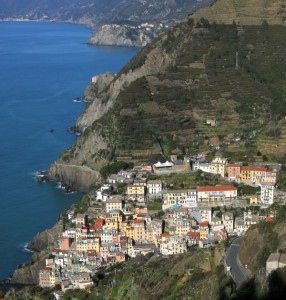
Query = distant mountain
x=126 y=14
x=98 y=12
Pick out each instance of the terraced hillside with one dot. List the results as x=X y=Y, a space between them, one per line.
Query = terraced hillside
x=219 y=72
x=245 y=12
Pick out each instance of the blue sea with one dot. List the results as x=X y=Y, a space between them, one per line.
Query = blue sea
x=43 y=67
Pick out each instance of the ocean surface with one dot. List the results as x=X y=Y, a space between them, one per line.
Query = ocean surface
x=43 y=68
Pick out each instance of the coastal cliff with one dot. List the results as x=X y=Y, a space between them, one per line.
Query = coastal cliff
x=74 y=177
x=98 y=84
x=124 y=35
x=42 y=244
x=148 y=60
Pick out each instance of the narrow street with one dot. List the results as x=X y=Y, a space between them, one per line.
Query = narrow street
x=237 y=271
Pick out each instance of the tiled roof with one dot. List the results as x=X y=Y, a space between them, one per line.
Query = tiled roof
x=138 y=221
x=253 y=168
x=204 y=224
x=268 y=219
x=216 y=188
x=233 y=165
x=193 y=234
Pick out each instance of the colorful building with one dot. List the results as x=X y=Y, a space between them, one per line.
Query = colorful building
x=180 y=198
x=216 y=195
x=136 y=193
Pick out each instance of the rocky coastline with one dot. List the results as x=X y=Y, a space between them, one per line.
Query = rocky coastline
x=41 y=245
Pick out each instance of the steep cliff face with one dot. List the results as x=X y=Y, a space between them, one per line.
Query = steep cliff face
x=263 y=239
x=99 y=83
x=156 y=60
x=42 y=243
x=76 y=177
x=119 y=35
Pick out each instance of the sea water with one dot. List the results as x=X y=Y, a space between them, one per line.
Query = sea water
x=43 y=68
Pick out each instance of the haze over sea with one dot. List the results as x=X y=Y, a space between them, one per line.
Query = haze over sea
x=43 y=67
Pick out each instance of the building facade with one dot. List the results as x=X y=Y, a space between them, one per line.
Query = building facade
x=216 y=195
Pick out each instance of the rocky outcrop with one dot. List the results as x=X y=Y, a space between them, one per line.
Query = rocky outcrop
x=117 y=35
x=29 y=274
x=75 y=177
x=46 y=239
x=156 y=59
x=98 y=84
x=42 y=243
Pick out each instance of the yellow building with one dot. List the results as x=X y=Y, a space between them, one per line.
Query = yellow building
x=93 y=244
x=47 y=277
x=204 y=230
x=113 y=219
x=252 y=175
x=218 y=166
x=136 y=192
x=184 y=198
x=254 y=200
x=128 y=229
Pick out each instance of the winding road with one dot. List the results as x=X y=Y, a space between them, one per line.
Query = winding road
x=238 y=272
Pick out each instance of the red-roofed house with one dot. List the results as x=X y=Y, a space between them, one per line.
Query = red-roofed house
x=193 y=238
x=268 y=219
x=99 y=221
x=216 y=195
x=47 y=277
x=204 y=230
x=252 y=174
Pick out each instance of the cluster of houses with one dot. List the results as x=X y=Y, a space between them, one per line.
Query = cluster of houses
x=124 y=228
x=90 y=243
x=117 y=234
x=249 y=175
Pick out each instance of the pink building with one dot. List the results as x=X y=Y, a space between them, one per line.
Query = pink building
x=233 y=171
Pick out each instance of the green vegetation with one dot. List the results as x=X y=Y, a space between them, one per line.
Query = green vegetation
x=154 y=204
x=174 y=277
x=114 y=168
x=233 y=74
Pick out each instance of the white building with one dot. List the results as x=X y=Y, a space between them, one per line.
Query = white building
x=228 y=221
x=216 y=195
x=267 y=193
x=113 y=203
x=103 y=193
x=179 y=198
x=205 y=167
x=154 y=187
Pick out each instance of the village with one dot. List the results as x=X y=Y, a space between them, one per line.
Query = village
x=148 y=215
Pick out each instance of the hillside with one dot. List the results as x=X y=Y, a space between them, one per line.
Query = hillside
x=160 y=101
x=117 y=22
x=197 y=274
x=263 y=239
x=245 y=12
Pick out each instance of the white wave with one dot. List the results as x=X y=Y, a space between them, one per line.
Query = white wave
x=24 y=247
